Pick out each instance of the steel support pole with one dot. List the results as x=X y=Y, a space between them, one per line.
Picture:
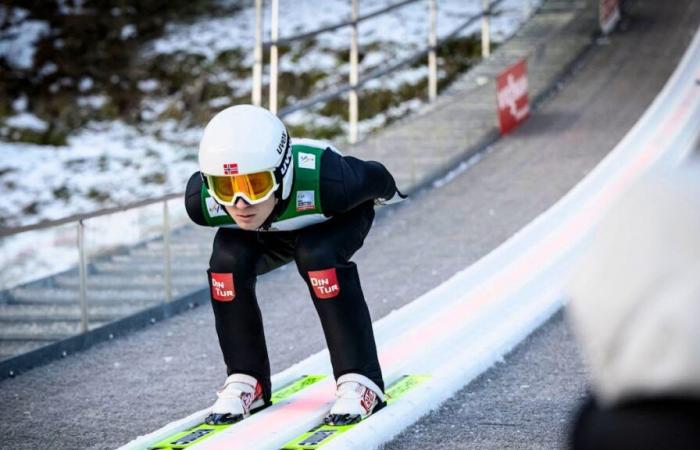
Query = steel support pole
x=485 y=32
x=258 y=55
x=354 y=76
x=432 y=57
x=82 y=268
x=166 y=254
x=274 y=35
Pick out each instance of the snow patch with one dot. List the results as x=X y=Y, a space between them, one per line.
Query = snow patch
x=85 y=84
x=20 y=103
x=93 y=101
x=220 y=102
x=17 y=45
x=149 y=85
x=48 y=69
x=128 y=31
x=66 y=7
x=27 y=121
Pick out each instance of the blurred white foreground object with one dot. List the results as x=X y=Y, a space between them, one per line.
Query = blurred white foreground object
x=635 y=296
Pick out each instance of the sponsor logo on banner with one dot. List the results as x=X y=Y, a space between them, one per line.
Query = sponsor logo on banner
x=222 y=287
x=307 y=161
x=214 y=209
x=305 y=200
x=324 y=283
x=512 y=96
x=608 y=14
x=230 y=169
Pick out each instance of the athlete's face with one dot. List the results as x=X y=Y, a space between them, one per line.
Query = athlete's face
x=250 y=217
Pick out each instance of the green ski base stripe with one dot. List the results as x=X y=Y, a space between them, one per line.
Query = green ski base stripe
x=198 y=433
x=322 y=434
x=293 y=388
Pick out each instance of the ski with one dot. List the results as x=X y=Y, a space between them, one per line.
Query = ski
x=322 y=433
x=198 y=433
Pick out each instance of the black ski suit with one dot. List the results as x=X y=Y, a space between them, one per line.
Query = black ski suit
x=348 y=188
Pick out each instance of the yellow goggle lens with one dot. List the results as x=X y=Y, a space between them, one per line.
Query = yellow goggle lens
x=252 y=186
x=223 y=187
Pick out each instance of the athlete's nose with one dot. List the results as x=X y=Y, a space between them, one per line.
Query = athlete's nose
x=241 y=204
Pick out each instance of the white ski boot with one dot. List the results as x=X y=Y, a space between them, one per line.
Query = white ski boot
x=240 y=397
x=357 y=398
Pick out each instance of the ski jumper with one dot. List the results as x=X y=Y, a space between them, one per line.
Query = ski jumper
x=319 y=226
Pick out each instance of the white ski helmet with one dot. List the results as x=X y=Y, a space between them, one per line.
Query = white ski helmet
x=245 y=139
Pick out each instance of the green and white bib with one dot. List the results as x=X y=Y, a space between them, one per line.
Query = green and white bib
x=304 y=206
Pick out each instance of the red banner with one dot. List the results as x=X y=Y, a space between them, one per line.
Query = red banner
x=511 y=93
x=608 y=14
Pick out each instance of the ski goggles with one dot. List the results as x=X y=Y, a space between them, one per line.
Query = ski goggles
x=254 y=188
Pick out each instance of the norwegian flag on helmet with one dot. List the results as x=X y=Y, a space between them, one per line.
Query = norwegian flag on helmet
x=230 y=169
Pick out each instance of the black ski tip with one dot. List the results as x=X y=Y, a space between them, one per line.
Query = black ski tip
x=379 y=406
x=338 y=420
x=222 y=419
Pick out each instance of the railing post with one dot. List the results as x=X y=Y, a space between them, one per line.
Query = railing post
x=274 y=35
x=485 y=33
x=352 y=96
x=166 y=252
x=257 y=65
x=432 y=58
x=82 y=268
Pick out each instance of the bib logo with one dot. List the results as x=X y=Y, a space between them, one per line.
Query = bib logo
x=214 y=209
x=305 y=200
x=324 y=283
x=222 y=287
x=307 y=161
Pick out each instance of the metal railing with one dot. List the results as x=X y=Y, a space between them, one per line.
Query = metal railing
x=7 y=231
x=355 y=82
x=79 y=221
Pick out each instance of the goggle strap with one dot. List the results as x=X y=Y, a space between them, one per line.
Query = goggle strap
x=279 y=177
